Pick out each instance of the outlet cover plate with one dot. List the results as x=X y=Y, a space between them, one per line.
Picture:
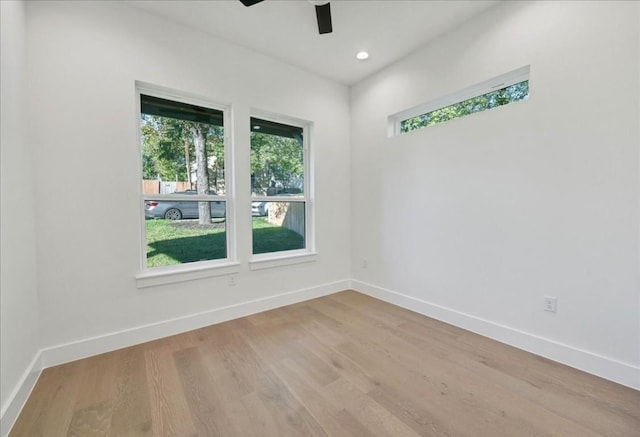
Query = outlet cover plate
x=551 y=304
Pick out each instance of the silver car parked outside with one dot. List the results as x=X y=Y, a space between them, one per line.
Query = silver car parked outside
x=180 y=209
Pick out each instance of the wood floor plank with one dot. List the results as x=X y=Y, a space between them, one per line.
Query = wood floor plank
x=291 y=416
x=131 y=406
x=264 y=423
x=378 y=420
x=340 y=365
x=198 y=391
x=170 y=412
x=49 y=409
x=244 y=367
x=94 y=404
x=333 y=417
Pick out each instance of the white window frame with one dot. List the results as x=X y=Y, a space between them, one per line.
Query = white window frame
x=308 y=253
x=152 y=276
x=496 y=83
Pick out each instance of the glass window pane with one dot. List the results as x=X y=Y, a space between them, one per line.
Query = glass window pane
x=281 y=228
x=182 y=147
x=277 y=159
x=176 y=235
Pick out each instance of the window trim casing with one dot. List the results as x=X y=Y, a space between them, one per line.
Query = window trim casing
x=297 y=256
x=152 y=276
x=502 y=81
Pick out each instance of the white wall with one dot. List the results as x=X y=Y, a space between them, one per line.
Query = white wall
x=19 y=342
x=84 y=60
x=475 y=220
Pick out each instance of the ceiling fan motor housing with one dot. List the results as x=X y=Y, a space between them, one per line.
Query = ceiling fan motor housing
x=323 y=13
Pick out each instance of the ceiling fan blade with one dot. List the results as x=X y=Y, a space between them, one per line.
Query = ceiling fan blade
x=250 y=2
x=323 y=14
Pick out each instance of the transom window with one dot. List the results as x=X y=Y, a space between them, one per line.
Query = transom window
x=502 y=90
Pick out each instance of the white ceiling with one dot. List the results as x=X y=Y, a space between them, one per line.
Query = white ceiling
x=287 y=29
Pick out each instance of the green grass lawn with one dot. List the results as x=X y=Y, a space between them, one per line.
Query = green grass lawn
x=183 y=241
x=270 y=238
x=172 y=242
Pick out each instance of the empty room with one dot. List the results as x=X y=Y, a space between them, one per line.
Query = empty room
x=312 y=218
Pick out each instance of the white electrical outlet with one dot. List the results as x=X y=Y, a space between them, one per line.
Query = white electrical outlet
x=364 y=263
x=551 y=304
x=232 y=280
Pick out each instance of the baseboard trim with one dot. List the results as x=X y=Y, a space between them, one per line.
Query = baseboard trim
x=64 y=353
x=18 y=397
x=622 y=373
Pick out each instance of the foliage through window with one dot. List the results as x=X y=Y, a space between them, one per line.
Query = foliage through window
x=513 y=93
x=183 y=186
x=499 y=91
x=278 y=188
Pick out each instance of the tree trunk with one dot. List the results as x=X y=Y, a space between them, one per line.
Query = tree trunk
x=202 y=174
x=187 y=160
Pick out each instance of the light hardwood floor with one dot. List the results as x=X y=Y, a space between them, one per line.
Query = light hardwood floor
x=341 y=365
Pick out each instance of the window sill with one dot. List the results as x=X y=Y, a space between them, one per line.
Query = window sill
x=172 y=275
x=268 y=261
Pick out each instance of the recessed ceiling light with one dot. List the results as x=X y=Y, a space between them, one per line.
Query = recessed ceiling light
x=362 y=55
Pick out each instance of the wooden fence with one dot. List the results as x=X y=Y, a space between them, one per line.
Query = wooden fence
x=289 y=215
x=153 y=186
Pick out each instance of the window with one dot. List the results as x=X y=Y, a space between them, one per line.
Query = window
x=279 y=186
x=499 y=91
x=183 y=182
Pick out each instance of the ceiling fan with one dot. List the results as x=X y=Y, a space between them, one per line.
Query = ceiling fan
x=323 y=13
